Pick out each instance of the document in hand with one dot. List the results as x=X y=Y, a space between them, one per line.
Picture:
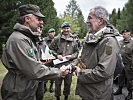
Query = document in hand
x=57 y=61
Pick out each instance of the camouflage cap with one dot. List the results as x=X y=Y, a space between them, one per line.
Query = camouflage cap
x=30 y=9
x=51 y=30
x=66 y=24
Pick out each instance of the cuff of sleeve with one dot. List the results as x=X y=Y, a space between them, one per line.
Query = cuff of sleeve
x=60 y=73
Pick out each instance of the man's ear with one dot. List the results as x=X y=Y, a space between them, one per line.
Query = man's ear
x=100 y=21
x=27 y=18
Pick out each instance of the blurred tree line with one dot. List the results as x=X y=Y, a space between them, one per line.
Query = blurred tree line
x=122 y=19
x=9 y=14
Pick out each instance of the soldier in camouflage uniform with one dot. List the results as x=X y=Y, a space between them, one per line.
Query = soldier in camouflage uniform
x=126 y=52
x=20 y=57
x=50 y=37
x=64 y=44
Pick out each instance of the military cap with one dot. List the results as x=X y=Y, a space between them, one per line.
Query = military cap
x=65 y=24
x=51 y=30
x=125 y=30
x=30 y=9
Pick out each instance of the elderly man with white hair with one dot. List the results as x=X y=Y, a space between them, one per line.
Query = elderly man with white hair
x=99 y=57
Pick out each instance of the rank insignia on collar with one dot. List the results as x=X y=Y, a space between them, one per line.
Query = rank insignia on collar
x=30 y=52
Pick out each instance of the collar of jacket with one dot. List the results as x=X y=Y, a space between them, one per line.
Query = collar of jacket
x=26 y=31
x=68 y=38
x=49 y=38
x=104 y=32
x=127 y=41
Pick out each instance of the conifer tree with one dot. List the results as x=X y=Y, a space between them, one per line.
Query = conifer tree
x=78 y=24
x=126 y=17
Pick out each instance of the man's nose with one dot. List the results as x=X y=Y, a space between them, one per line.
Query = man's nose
x=87 y=21
x=41 y=21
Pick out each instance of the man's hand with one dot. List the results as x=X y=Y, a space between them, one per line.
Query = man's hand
x=46 y=61
x=60 y=57
x=68 y=57
x=65 y=70
x=77 y=70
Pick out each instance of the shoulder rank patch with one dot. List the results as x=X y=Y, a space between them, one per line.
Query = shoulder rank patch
x=108 y=50
x=30 y=52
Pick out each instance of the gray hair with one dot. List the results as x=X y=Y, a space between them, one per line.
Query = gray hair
x=21 y=18
x=101 y=12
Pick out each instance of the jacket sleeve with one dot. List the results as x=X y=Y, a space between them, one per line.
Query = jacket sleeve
x=132 y=57
x=28 y=65
x=107 y=58
x=54 y=47
x=75 y=50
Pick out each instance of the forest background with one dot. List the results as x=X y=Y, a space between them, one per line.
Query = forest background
x=121 y=19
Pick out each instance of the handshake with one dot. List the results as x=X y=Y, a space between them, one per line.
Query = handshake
x=69 y=69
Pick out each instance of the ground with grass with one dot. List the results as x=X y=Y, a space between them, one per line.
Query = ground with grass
x=3 y=71
x=47 y=95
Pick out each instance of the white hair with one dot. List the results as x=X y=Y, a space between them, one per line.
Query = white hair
x=101 y=12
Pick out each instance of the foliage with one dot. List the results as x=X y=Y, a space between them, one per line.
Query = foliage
x=113 y=17
x=72 y=9
x=129 y=14
x=9 y=14
x=75 y=14
x=74 y=25
x=83 y=27
x=123 y=19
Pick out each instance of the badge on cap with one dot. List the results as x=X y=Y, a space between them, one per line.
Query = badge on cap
x=30 y=52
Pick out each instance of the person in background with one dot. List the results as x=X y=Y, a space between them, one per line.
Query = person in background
x=126 y=52
x=77 y=38
x=98 y=56
x=48 y=40
x=64 y=45
x=20 y=57
x=50 y=37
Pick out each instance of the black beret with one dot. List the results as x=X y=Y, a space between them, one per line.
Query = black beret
x=125 y=30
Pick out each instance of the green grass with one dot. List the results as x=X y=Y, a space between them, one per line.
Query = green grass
x=3 y=71
x=72 y=96
x=47 y=95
